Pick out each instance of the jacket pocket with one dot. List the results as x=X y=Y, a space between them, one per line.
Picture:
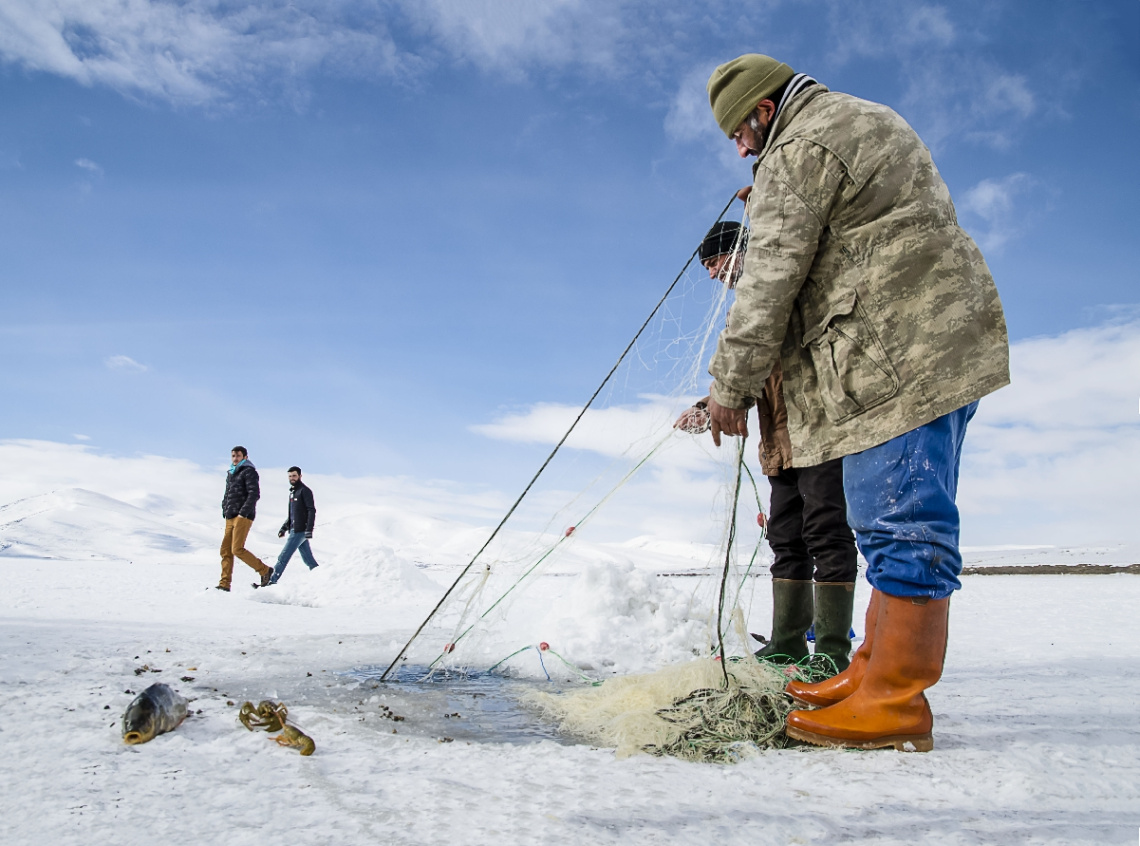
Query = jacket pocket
x=851 y=365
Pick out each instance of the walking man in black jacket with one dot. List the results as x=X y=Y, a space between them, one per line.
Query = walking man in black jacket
x=239 y=507
x=299 y=525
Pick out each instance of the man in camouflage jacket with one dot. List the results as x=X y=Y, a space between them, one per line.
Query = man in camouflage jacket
x=888 y=328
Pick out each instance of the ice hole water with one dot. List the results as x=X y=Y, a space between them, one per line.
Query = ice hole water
x=473 y=706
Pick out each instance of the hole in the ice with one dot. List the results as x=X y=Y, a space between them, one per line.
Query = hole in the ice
x=476 y=706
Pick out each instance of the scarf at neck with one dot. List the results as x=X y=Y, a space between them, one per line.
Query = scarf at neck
x=795 y=85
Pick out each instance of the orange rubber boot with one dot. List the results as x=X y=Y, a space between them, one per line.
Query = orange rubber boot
x=837 y=688
x=888 y=708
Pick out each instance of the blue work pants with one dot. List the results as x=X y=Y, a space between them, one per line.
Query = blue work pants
x=901 y=505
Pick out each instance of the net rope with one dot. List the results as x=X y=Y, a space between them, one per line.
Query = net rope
x=694 y=363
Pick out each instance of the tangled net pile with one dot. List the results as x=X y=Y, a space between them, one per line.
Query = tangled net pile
x=698 y=711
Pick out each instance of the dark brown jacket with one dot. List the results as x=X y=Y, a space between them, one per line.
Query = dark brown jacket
x=775 y=442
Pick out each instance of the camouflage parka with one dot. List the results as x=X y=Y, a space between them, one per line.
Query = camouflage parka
x=859 y=281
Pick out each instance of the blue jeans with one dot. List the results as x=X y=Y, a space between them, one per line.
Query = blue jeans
x=900 y=502
x=293 y=542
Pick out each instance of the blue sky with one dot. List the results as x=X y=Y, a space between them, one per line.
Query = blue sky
x=344 y=234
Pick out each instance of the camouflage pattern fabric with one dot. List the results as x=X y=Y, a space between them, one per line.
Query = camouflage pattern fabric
x=859 y=281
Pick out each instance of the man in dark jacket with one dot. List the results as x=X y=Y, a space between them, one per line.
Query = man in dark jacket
x=239 y=508
x=299 y=525
x=807 y=529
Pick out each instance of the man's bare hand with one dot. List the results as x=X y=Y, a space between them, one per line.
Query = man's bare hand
x=729 y=421
x=743 y=193
x=694 y=421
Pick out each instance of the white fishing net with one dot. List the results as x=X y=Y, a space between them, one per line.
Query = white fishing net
x=693 y=710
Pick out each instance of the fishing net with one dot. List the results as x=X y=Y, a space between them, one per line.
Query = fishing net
x=594 y=502
x=701 y=710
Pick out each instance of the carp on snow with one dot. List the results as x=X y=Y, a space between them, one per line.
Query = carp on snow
x=155 y=711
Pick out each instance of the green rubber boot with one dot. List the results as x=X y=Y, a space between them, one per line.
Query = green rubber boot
x=834 y=602
x=791 y=618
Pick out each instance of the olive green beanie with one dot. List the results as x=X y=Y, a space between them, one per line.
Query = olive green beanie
x=737 y=86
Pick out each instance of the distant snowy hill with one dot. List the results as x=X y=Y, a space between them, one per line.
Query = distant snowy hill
x=78 y=524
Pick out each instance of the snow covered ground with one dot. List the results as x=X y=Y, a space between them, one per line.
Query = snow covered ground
x=1045 y=557
x=1037 y=730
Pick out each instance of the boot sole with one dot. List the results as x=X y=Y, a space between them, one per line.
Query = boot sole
x=900 y=742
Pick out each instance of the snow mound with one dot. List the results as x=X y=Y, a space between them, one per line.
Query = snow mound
x=364 y=575
x=621 y=619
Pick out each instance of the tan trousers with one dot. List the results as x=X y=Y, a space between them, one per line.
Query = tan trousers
x=233 y=543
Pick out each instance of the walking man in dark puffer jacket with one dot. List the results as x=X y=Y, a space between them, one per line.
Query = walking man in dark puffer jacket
x=299 y=525
x=239 y=508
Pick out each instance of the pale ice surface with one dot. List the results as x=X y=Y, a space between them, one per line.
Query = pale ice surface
x=1013 y=555
x=1037 y=726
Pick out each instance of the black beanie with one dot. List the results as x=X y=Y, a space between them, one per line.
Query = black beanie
x=721 y=239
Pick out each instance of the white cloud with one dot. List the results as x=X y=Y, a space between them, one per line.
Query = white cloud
x=79 y=437
x=189 y=52
x=995 y=201
x=203 y=51
x=951 y=90
x=605 y=431
x=959 y=95
x=511 y=34
x=689 y=117
x=1055 y=457
x=927 y=25
x=1006 y=93
x=655 y=472
x=124 y=362
x=886 y=29
x=652 y=480
x=89 y=166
